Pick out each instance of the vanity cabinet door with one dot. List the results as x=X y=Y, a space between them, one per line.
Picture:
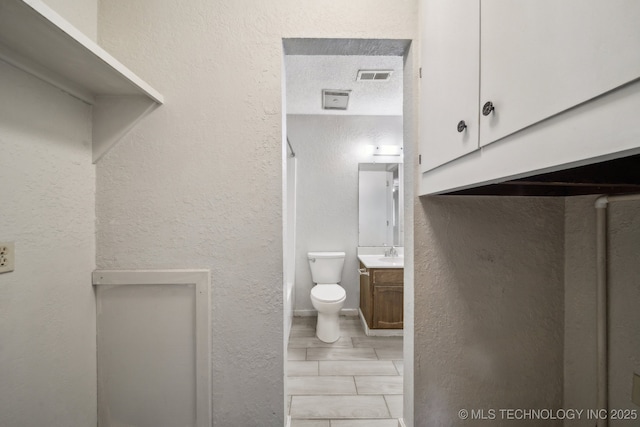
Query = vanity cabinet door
x=382 y=297
x=366 y=295
x=388 y=306
x=388 y=298
x=388 y=276
x=542 y=57
x=449 y=84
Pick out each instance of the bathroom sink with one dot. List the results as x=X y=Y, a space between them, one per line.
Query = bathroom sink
x=392 y=259
x=380 y=261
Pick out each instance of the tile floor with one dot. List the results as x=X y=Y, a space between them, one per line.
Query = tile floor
x=354 y=382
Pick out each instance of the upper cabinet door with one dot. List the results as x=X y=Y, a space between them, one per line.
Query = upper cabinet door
x=449 y=87
x=541 y=57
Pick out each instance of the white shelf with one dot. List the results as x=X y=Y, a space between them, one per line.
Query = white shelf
x=33 y=35
x=38 y=41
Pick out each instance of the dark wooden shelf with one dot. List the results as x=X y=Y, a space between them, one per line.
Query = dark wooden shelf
x=618 y=176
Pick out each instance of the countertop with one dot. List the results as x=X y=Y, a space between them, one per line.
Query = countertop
x=380 y=261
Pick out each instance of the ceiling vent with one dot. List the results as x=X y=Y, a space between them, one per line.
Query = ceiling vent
x=335 y=99
x=374 y=75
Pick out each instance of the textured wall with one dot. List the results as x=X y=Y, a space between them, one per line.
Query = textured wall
x=82 y=14
x=624 y=298
x=410 y=131
x=198 y=182
x=47 y=307
x=488 y=307
x=289 y=243
x=308 y=75
x=580 y=297
x=580 y=306
x=328 y=149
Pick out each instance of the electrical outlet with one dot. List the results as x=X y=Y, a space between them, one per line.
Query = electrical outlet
x=7 y=256
x=635 y=394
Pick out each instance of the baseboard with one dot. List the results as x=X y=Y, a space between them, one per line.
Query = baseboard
x=378 y=332
x=314 y=313
x=401 y=422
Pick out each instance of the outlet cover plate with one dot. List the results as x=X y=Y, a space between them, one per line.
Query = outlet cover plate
x=7 y=256
x=635 y=394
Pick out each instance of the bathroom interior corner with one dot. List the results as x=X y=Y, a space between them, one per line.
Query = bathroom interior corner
x=344 y=226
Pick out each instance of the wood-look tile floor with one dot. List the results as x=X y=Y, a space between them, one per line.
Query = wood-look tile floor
x=354 y=382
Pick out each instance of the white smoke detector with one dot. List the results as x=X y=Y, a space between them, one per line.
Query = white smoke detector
x=333 y=99
x=374 y=75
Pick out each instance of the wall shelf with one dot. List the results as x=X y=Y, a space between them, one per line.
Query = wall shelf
x=37 y=40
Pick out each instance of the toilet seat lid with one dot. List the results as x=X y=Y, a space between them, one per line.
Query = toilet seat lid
x=328 y=293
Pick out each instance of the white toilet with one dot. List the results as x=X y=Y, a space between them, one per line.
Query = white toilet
x=327 y=296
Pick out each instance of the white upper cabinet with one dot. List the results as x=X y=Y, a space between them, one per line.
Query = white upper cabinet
x=449 y=88
x=541 y=57
x=549 y=68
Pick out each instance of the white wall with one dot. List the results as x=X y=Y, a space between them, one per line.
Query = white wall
x=82 y=14
x=328 y=149
x=199 y=182
x=580 y=297
x=489 y=307
x=47 y=306
x=410 y=130
x=290 y=243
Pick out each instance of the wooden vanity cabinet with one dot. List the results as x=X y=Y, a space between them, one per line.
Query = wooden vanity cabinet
x=382 y=297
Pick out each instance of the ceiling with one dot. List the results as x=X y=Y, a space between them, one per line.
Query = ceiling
x=308 y=75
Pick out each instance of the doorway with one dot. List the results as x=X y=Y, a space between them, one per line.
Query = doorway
x=323 y=145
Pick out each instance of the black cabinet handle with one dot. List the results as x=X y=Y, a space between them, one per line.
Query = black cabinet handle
x=461 y=126
x=487 y=108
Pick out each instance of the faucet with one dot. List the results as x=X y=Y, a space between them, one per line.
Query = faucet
x=391 y=252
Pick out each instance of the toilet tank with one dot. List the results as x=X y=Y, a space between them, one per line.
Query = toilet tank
x=326 y=267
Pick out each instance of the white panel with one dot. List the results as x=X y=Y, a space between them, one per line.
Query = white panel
x=449 y=85
x=540 y=57
x=152 y=349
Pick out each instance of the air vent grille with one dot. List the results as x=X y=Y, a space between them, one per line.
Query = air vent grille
x=374 y=75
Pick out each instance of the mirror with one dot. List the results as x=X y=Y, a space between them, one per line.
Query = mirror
x=380 y=204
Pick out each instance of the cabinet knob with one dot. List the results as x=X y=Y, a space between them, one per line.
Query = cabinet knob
x=487 y=108
x=461 y=126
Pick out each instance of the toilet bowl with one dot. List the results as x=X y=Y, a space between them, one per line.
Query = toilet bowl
x=328 y=299
x=327 y=296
